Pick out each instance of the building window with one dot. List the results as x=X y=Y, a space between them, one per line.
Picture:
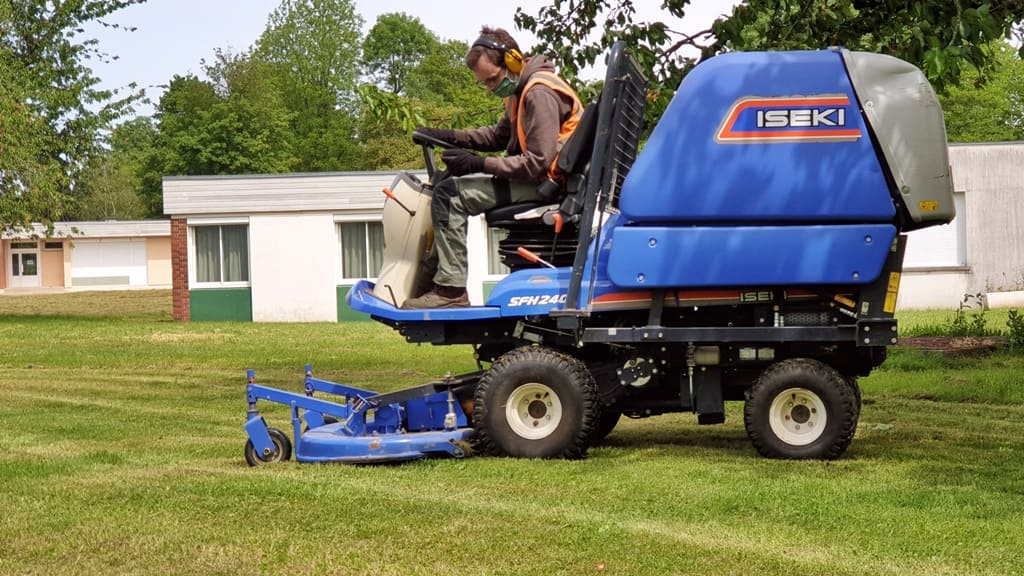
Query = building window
x=222 y=253
x=362 y=249
x=495 y=267
x=940 y=246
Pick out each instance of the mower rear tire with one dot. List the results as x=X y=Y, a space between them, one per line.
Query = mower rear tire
x=801 y=409
x=282 y=449
x=851 y=381
x=535 y=402
x=605 y=424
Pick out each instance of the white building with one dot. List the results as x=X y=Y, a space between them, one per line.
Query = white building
x=281 y=247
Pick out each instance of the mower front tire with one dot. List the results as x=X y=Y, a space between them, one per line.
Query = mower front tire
x=801 y=409
x=535 y=402
x=282 y=449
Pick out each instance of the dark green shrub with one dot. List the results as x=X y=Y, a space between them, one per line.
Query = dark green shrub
x=1015 y=324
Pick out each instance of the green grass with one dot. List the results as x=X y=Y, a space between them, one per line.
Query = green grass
x=931 y=322
x=121 y=453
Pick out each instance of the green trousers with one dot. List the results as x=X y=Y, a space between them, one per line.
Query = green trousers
x=452 y=205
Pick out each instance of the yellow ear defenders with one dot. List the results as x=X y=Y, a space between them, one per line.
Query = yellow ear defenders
x=513 y=59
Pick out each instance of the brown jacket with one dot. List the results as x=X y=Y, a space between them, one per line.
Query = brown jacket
x=544 y=110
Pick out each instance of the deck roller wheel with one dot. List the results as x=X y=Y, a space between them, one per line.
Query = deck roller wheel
x=535 y=402
x=801 y=409
x=282 y=449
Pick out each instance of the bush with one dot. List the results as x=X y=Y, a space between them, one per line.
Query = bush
x=967 y=324
x=1015 y=325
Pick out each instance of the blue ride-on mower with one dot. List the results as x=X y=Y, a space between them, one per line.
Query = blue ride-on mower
x=751 y=251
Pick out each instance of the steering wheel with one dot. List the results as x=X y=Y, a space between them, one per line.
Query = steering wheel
x=428 y=143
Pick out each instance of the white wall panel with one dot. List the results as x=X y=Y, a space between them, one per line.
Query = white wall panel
x=293 y=267
x=936 y=289
x=108 y=262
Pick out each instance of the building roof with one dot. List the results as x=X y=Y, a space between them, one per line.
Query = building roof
x=224 y=195
x=104 y=229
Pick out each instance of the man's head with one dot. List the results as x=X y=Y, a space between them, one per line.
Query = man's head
x=496 y=61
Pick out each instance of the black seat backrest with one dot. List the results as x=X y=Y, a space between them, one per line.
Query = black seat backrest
x=577 y=149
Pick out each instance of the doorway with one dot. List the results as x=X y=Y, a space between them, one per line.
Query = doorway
x=24 y=265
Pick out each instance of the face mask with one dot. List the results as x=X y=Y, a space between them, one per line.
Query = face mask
x=505 y=88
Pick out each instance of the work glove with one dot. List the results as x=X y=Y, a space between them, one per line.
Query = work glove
x=460 y=162
x=443 y=134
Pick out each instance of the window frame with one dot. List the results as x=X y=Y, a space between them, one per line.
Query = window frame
x=193 y=255
x=365 y=219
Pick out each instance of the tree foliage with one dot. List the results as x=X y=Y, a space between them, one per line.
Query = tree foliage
x=316 y=42
x=234 y=123
x=439 y=91
x=27 y=177
x=940 y=37
x=313 y=49
x=113 y=178
x=52 y=114
x=449 y=90
x=395 y=46
x=988 y=107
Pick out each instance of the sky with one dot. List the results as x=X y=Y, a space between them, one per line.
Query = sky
x=175 y=36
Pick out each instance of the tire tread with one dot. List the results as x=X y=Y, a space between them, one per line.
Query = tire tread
x=578 y=375
x=759 y=396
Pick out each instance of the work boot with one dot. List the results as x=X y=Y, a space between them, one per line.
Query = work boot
x=439 y=297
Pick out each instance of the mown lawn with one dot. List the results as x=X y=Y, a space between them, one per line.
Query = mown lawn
x=121 y=453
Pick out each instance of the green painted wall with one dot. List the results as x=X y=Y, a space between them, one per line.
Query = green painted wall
x=488 y=288
x=346 y=314
x=219 y=304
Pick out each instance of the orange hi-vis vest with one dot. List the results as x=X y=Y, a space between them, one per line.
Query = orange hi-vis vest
x=514 y=108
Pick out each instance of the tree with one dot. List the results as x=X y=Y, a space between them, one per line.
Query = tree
x=234 y=123
x=988 y=108
x=444 y=82
x=440 y=91
x=940 y=37
x=312 y=48
x=51 y=113
x=113 y=179
x=29 y=180
x=395 y=46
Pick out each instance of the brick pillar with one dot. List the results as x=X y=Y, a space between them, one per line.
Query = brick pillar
x=179 y=269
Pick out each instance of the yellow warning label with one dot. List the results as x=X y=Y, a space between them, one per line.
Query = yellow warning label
x=928 y=205
x=891 y=292
x=890 y=303
x=894 y=282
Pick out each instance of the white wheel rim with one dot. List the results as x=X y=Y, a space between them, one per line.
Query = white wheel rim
x=533 y=411
x=798 y=416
